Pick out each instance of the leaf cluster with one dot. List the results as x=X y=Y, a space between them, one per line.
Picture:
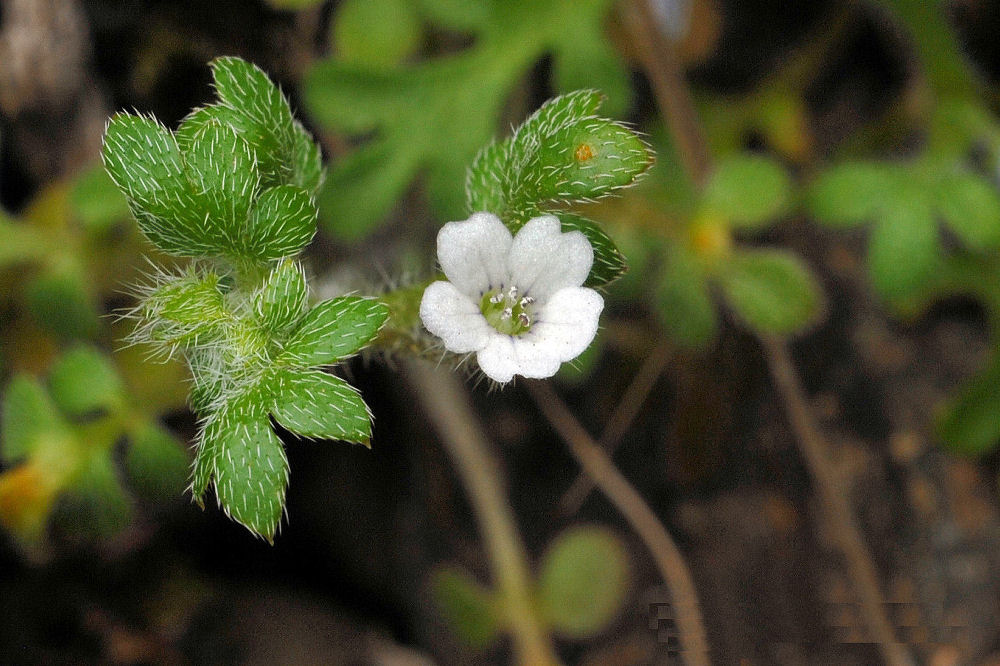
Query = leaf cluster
x=58 y=441
x=233 y=187
x=563 y=154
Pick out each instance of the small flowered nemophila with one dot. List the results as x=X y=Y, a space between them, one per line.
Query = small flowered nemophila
x=516 y=301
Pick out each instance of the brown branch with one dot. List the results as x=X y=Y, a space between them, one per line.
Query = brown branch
x=620 y=421
x=626 y=499
x=829 y=487
x=674 y=99
x=447 y=404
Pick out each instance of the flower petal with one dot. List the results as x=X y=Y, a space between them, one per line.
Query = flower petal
x=497 y=359
x=450 y=315
x=473 y=253
x=544 y=260
x=567 y=323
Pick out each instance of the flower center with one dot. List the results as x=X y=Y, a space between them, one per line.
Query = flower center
x=507 y=311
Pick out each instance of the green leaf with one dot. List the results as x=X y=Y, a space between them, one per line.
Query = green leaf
x=144 y=161
x=970 y=423
x=362 y=189
x=749 y=191
x=772 y=290
x=378 y=33
x=93 y=503
x=307 y=161
x=333 y=330
x=156 y=462
x=282 y=223
x=96 y=201
x=315 y=404
x=281 y=301
x=248 y=465
x=903 y=249
x=60 y=303
x=19 y=243
x=222 y=169
x=583 y=580
x=467 y=607
x=852 y=192
x=27 y=418
x=260 y=115
x=683 y=301
x=184 y=310
x=84 y=382
x=971 y=208
x=609 y=263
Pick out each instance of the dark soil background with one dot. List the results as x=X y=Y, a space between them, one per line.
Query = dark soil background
x=710 y=450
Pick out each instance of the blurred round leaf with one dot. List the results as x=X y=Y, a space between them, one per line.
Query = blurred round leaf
x=683 y=300
x=83 y=381
x=903 y=249
x=97 y=201
x=60 y=303
x=970 y=423
x=851 y=193
x=971 y=207
x=772 y=290
x=157 y=463
x=583 y=581
x=748 y=190
x=380 y=33
x=468 y=608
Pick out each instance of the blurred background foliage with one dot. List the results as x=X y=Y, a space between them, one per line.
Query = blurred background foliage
x=852 y=204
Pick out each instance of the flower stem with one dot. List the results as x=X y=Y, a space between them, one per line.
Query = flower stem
x=629 y=502
x=447 y=405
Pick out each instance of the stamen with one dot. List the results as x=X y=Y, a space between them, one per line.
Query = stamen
x=512 y=294
x=524 y=320
x=527 y=300
x=506 y=314
x=496 y=298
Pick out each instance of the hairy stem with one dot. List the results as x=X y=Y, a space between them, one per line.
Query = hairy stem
x=447 y=405
x=627 y=500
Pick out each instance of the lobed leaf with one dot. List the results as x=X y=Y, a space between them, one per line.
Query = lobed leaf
x=852 y=192
x=333 y=330
x=281 y=302
x=156 y=463
x=315 y=404
x=282 y=223
x=260 y=115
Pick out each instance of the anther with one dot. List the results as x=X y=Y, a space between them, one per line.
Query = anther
x=506 y=314
x=512 y=294
x=524 y=320
x=496 y=298
x=527 y=300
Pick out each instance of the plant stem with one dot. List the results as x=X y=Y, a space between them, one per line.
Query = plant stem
x=447 y=405
x=833 y=500
x=626 y=499
x=673 y=96
x=620 y=421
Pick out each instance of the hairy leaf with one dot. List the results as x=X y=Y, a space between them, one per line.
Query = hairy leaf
x=315 y=404
x=333 y=330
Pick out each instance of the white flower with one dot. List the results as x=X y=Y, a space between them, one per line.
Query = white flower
x=515 y=301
